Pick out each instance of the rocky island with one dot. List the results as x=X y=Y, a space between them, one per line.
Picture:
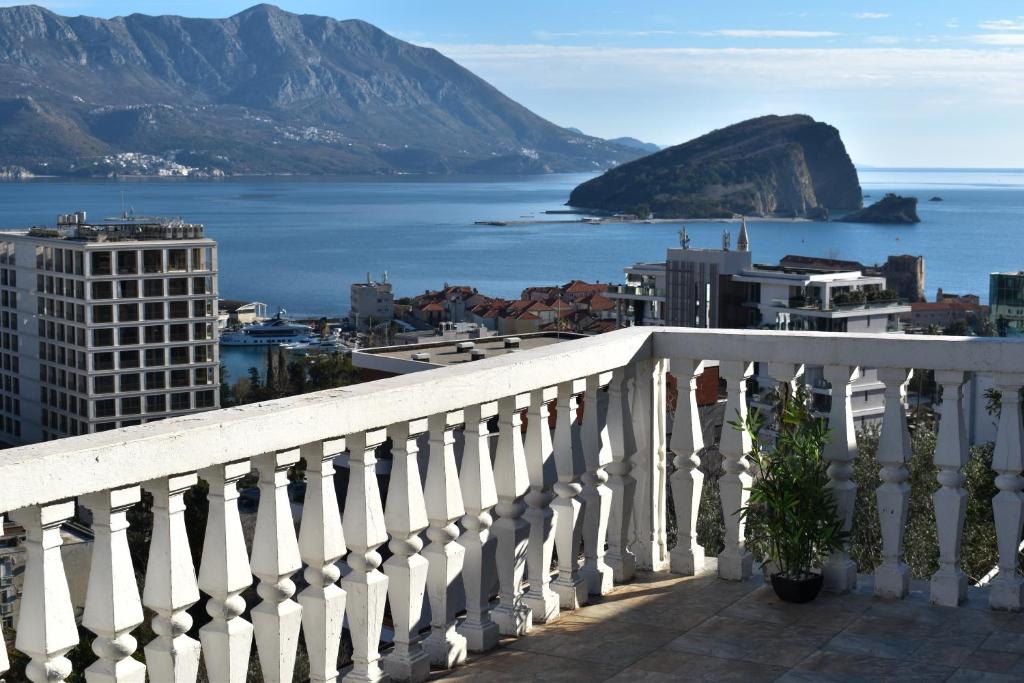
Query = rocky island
x=890 y=209
x=786 y=166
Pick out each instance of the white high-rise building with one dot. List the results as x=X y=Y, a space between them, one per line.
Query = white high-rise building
x=105 y=325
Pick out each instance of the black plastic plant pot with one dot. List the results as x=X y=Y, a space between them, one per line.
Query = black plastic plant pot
x=799 y=590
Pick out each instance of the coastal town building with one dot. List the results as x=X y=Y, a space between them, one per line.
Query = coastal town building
x=105 y=325
x=372 y=302
x=1006 y=301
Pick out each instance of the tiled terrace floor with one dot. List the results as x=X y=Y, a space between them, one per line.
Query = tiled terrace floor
x=668 y=628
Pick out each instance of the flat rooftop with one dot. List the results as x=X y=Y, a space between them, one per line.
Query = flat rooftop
x=128 y=227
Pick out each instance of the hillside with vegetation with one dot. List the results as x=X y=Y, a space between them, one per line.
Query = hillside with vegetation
x=787 y=166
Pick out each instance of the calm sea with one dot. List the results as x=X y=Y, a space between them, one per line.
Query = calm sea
x=299 y=242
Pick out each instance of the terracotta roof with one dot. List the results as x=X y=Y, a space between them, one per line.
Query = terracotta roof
x=600 y=303
x=433 y=307
x=581 y=286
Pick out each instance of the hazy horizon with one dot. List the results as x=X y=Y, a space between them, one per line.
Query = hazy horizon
x=909 y=85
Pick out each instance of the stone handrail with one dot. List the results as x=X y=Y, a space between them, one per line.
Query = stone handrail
x=596 y=483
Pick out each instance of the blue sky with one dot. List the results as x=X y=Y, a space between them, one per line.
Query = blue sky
x=907 y=83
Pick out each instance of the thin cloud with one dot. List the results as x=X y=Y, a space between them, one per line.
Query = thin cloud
x=555 y=35
x=1003 y=25
x=999 y=39
x=882 y=40
x=766 y=33
x=871 y=15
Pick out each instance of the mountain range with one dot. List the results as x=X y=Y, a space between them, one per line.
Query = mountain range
x=263 y=91
x=789 y=166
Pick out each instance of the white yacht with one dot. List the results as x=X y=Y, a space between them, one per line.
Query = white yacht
x=273 y=332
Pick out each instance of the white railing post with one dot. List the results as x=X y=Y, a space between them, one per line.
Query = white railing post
x=223 y=575
x=512 y=615
x=321 y=545
x=445 y=646
x=1007 y=590
x=4 y=662
x=841 y=572
x=171 y=584
x=540 y=466
x=365 y=587
x=569 y=586
x=406 y=516
x=46 y=628
x=687 y=481
x=275 y=558
x=949 y=583
x=892 y=576
x=623 y=445
x=476 y=481
x=735 y=563
x=596 y=495
x=112 y=605
x=650 y=504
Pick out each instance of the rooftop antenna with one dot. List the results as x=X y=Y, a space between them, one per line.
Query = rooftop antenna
x=684 y=239
x=124 y=211
x=726 y=240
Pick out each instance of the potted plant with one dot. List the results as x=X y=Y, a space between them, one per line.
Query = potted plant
x=791 y=515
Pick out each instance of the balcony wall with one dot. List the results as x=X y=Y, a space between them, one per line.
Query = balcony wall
x=590 y=496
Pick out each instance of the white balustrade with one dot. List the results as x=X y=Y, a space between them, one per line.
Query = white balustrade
x=171 y=587
x=4 y=662
x=46 y=628
x=596 y=495
x=735 y=562
x=608 y=474
x=321 y=544
x=949 y=583
x=223 y=575
x=892 y=576
x=112 y=605
x=569 y=586
x=406 y=516
x=623 y=485
x=541 y=515
x=687 y=481
x=275 y=558
x=841 y=572
x=365 y=586
x=479 y=496
x=445 y=646
x=1008 y=505
x=513 y=615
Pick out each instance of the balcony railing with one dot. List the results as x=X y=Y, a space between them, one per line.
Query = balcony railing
x=600 y=486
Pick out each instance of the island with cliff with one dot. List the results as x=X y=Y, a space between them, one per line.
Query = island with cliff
x=780 y=166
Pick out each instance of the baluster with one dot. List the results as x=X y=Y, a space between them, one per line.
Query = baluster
x=406 y=516
x=687 y=481
x=571 y=590
x=949 y=583
x=171 y=584
x=892 y=576
x=4 y=662
x=275 y=558
x=46 y=628
x=540 y=467
x=223 y=575
x=112 y=605
x=623 y=445
x=841 y=572
x=650 y=544
x=735 y=562
x=366 y=588
x=513 y=616
x=1008 y=505
x=444 y=506
x=476 y=480
x=596 y=494
x=321 y=545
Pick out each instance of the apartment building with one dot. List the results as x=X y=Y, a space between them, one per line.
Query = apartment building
x=105 y=325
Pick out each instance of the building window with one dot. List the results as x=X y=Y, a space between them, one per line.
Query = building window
x=131 y=405
x=103 y=384
x=128 y=335
x=155 y=358
x=106 y=426
x=178 y=333
x=177 y=286
x=179 y=378
x=177 y=309
x=204 y=399
x=103 y=337
x=156 y=404
x=152 y=288
x=129 y=359
x=153 y=311
x=127 y=263
x=203 y=376
x=128 y=289
x=152 y=261
x=181 y=401
x=102 y=290
x=154 y=334
x=202 y=331
x=103 y=314
x=199 y=285
x=99 y=262
x=177 y=260
x=127 y=313
x=130 y=382
x=155 y=380
x=201 y=308
x=179 y=355
x=103 y=361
